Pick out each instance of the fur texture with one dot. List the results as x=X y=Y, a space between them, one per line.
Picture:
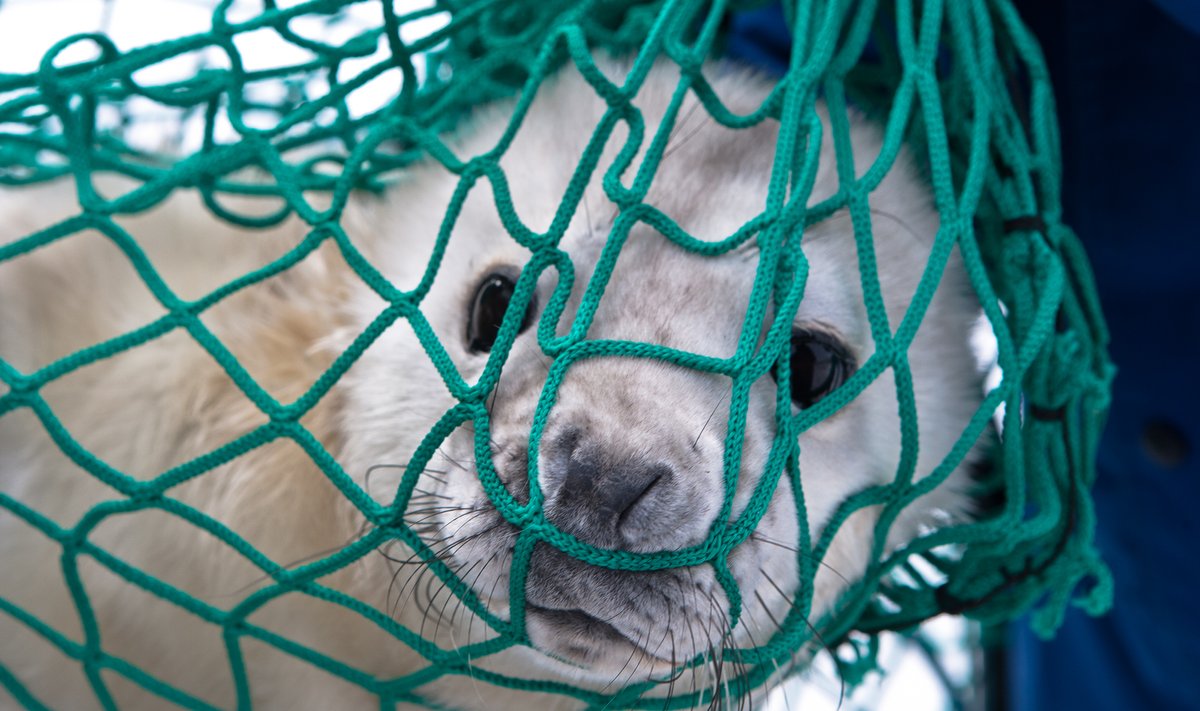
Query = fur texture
x=163 y=403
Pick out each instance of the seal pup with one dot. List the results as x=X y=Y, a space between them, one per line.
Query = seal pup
x=630 y=458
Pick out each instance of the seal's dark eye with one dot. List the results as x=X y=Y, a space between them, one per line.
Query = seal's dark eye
x=487 y=312
x=819 y=364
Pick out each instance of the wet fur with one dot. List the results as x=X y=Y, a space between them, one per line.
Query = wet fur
x=163 y=403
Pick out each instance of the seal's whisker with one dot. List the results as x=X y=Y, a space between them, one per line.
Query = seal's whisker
x=815 y=633
x=402 y=466
x=464 y=608
x=454 y=461
x=695 y=667
x=425 y=493
x=617 y=676
x=718 y=671
x=672 y=145
x=727 y=630
x=444 y=555
x=751 y=623
x=672 y=678
x=767 y=610
x=433 y=512
x=362 y=531
x=716 y=661
x=707 y=421
x=755 y=535
x=441 y=614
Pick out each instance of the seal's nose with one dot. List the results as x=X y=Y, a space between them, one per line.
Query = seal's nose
x=608 y=493
x=608 y=499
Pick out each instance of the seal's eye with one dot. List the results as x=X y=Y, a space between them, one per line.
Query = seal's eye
x=487 y=312
x=819 y=364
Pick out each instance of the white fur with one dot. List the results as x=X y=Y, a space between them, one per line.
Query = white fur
x=165 y=402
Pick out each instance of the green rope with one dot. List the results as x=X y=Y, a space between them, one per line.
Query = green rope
x=962 y=84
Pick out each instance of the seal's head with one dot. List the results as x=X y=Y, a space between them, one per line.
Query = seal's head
x=632 y=454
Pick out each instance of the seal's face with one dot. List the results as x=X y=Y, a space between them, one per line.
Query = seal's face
x=633 y=454
x=631 y=458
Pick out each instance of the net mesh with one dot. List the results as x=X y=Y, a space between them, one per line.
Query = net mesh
x=961 y=83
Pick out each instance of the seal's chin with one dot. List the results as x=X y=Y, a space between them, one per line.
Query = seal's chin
x=596 y=647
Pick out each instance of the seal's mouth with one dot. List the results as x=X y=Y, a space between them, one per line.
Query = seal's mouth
x=580 y=639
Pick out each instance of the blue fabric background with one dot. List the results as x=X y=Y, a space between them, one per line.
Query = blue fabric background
x=1127 y=79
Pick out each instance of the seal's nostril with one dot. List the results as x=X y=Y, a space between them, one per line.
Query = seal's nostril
x=653 y=476
x=568 y=441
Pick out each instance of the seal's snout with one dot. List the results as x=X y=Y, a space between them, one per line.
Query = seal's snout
x=624 y=478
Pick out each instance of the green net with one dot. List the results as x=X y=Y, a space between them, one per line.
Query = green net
x=961 y=83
